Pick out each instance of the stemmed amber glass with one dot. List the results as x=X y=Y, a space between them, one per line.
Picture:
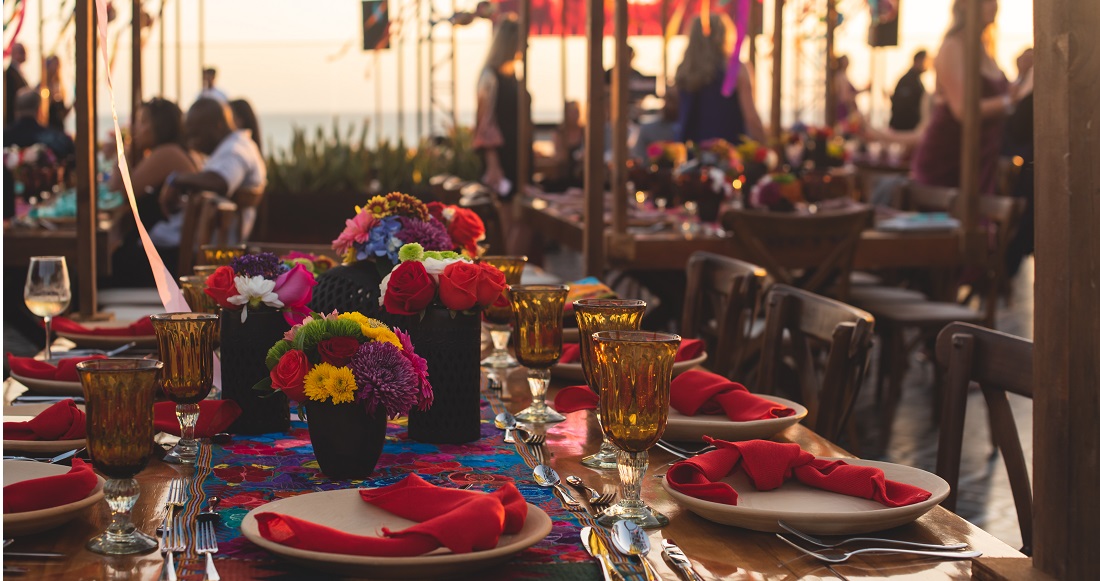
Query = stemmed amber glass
x=499 y=318
x=186 y=342
x=118 y=396
x=220 y=255
x=593 y=316
x=192 y=288
x=538 y=310
x=635 y=371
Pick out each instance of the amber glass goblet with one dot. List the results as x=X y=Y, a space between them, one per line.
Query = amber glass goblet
x=537 y=310
x=635 y=370
x=118 y=396
x=186 y=343
x=220 y=255
x=499 y=318
x=192 y=288
x=205 y=270
x=593 y=316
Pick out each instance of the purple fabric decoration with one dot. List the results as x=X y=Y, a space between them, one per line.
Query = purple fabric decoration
x=729 y=84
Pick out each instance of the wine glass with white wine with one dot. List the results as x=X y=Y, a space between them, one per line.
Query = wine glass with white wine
x=47 y=291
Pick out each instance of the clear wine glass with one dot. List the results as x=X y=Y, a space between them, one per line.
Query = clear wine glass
x=47 y=292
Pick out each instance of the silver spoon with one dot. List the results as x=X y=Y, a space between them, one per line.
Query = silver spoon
x=211 y=506
x=546 y=477
x=121 y=349
x=630 y=539
x=507 y=422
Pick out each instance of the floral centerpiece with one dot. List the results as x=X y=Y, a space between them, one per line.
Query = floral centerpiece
x=35 y=169
x=351 y=373
x=757 y=160
x=448 y=279
x=666 y=153
x=380 y=228
x=777 y=192
x=262 y=281
x=464 y=227
x=314 y=263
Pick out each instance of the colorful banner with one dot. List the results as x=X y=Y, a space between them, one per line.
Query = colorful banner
x=376 y=25
x=645 y=15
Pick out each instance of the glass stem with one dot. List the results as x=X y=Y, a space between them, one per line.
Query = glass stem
x=501 y=336
x=539 y=380
x=121 y=495
x=605 y=445
x=46 y=321
x=188 y=415
x=632 y=467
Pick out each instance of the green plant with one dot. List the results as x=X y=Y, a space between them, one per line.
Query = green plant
x=322 y=164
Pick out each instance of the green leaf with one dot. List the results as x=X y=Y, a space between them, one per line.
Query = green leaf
x=264 y=385
x=276 y=353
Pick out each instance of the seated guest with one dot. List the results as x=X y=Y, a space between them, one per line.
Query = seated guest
x=568 y=152
x=27 y=130
x=245 y=118
x=666 y=128
x=234 y=169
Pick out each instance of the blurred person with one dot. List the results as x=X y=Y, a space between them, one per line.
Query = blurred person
x=14 y=81
x=704 y=112
x=905 y=103
x=25 y=129
x=665 y=128
x=846 y=108
x=57 y=108
x=209 y=90
x=245 y=118
x=496 y=131
x=1019 y=147
x=937 y=159
x=568 y=151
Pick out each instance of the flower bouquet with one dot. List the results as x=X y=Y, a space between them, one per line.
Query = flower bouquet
x=757 y=160
x=260 y=298
x=436 y=296
x=314 y=263
x=464 y=227
x=777 y=192
x=35 y=169
x=708 y=179
x=350 y=373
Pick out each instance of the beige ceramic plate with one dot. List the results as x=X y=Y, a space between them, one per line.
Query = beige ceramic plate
x=50 y=387
x=108 y=341
x=817 y=511
x=36 y=521
x=693 y=428
x=22 y=413
x=345 y=511
x=575 y=371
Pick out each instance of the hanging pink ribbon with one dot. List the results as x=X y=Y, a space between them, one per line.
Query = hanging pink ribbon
x=21 y=15
x=729 y=85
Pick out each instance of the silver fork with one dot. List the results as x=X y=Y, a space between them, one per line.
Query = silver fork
x=595 y=497
x=844 y=556
x=172 y=543
x=206 y=542
x=683 y=452
x=177 y=497
x=816 y=541
x=531 y=438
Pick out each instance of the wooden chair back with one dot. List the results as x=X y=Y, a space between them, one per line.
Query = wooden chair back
x=809 y=251
x=922 y=198
x=207 y=219
x=720 y=307
x=808 y=319
x=1003 y=215
x=1000 y=364
x=483 y=202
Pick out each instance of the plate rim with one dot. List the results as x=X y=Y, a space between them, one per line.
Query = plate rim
x=17 y=518
x=800 y=413
x=682 y=365
x=33 y=383
x=91 y=338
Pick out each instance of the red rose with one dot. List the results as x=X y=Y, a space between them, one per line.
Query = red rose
x=337 y=351
x=435 y=210
x=761 y=154
x=466 y=228
x=490 y=283
x=410 y=289
x=458 y=285
x=289 y=374
x=220 y=286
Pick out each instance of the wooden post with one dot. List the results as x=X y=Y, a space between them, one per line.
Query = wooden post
x=750 y=35
x=400 y=74
x=135 y=64
x=419 y=75
x=564 y=59
x=664 y=47
x=377 y=96
x=620 y=92
x=160 y=24
x=970 y=169
x=202 y=40
x=777 y=74
x=179 y=53
x=830 y=64
x=593 y=244
x=85 y=159
x=1067 y=312
x=454 y=68
x=523 y=135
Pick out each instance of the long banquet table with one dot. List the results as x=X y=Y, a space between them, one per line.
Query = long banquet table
x=252 y=470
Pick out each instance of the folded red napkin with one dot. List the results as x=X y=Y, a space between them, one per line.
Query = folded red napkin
x=65 y=370
x=576 y=398
x=461 y=520
x=143 y=327
x=702 y=392
x=50 y=491
x=215 y=415
x=61 y=421
x=769 y=464
x=689 y=349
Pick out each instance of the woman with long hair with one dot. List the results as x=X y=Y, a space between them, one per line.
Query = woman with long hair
x=705 y=113
x=58 y=109
x=937 y=159
x=245 y=118
x=496 y=132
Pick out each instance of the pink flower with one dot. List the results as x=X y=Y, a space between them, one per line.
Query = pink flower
x=357 y=231
x=420 y=367
x=295 y=290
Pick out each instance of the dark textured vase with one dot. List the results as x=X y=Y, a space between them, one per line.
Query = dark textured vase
x=350 y=287
x=347 y=441
x=243 y=359
x=452 y=348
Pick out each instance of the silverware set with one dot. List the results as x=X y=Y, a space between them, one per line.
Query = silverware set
x=832 y=553
x=174 y=532
x=629 y=540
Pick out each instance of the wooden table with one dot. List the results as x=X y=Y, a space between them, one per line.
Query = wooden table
x=718 y=552
x=21 y=243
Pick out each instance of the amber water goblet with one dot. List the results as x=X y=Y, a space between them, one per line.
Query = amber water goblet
x=593 y=316
x=118 y=396
x=498 y=319
x=635 y=371
x=205 y=270
x=192 y=288
x=221 y=255
x=186 y=343
x=537 y=310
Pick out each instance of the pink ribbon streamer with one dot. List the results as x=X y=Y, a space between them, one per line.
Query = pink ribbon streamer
x=18 y=27
x=729 y=84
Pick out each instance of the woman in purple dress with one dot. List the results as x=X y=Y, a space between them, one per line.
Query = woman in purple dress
x=937 y=159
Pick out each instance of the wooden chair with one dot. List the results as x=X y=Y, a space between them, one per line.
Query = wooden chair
x=999 y=363
x=720 y=307
x=810 y=319
x=483 y=202
x=809 y=251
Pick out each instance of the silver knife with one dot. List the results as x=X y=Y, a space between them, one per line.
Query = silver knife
x=598 y=548
x=676 y=556
x=34 y=555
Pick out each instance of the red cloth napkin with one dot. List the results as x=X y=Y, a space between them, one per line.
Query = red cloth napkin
x=215 y=415
x=50 y=491
x=689 y=349
x=576 y=398
x=143 y=327
x=770 y=464
x=702 y=392
x=461 y=520
x=61 y=421
x=65 y=370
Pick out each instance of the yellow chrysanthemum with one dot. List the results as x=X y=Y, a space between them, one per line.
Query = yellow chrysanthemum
x=356 y=316
x=341 y=385
x=373 y=329
x=316 y=381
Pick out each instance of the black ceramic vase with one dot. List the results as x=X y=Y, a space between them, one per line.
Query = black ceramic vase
x=243 y=358
x=346 y=440
x=350 y=287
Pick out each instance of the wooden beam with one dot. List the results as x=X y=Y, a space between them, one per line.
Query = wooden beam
x=830 y=64
x=664 y=48
x=160 y=28
x=524 y=129
x=1067 y=275
x=970 y=179
x=135 y=61
x=593 y=252
x=84 y=106
x=620 y=92
x=776 y=128
x=179 y=53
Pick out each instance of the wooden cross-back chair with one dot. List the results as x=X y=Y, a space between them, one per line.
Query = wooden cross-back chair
x=809 y=251
x=720 y=306
x=808 y=319
x=999 y=363
x=207 y=219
